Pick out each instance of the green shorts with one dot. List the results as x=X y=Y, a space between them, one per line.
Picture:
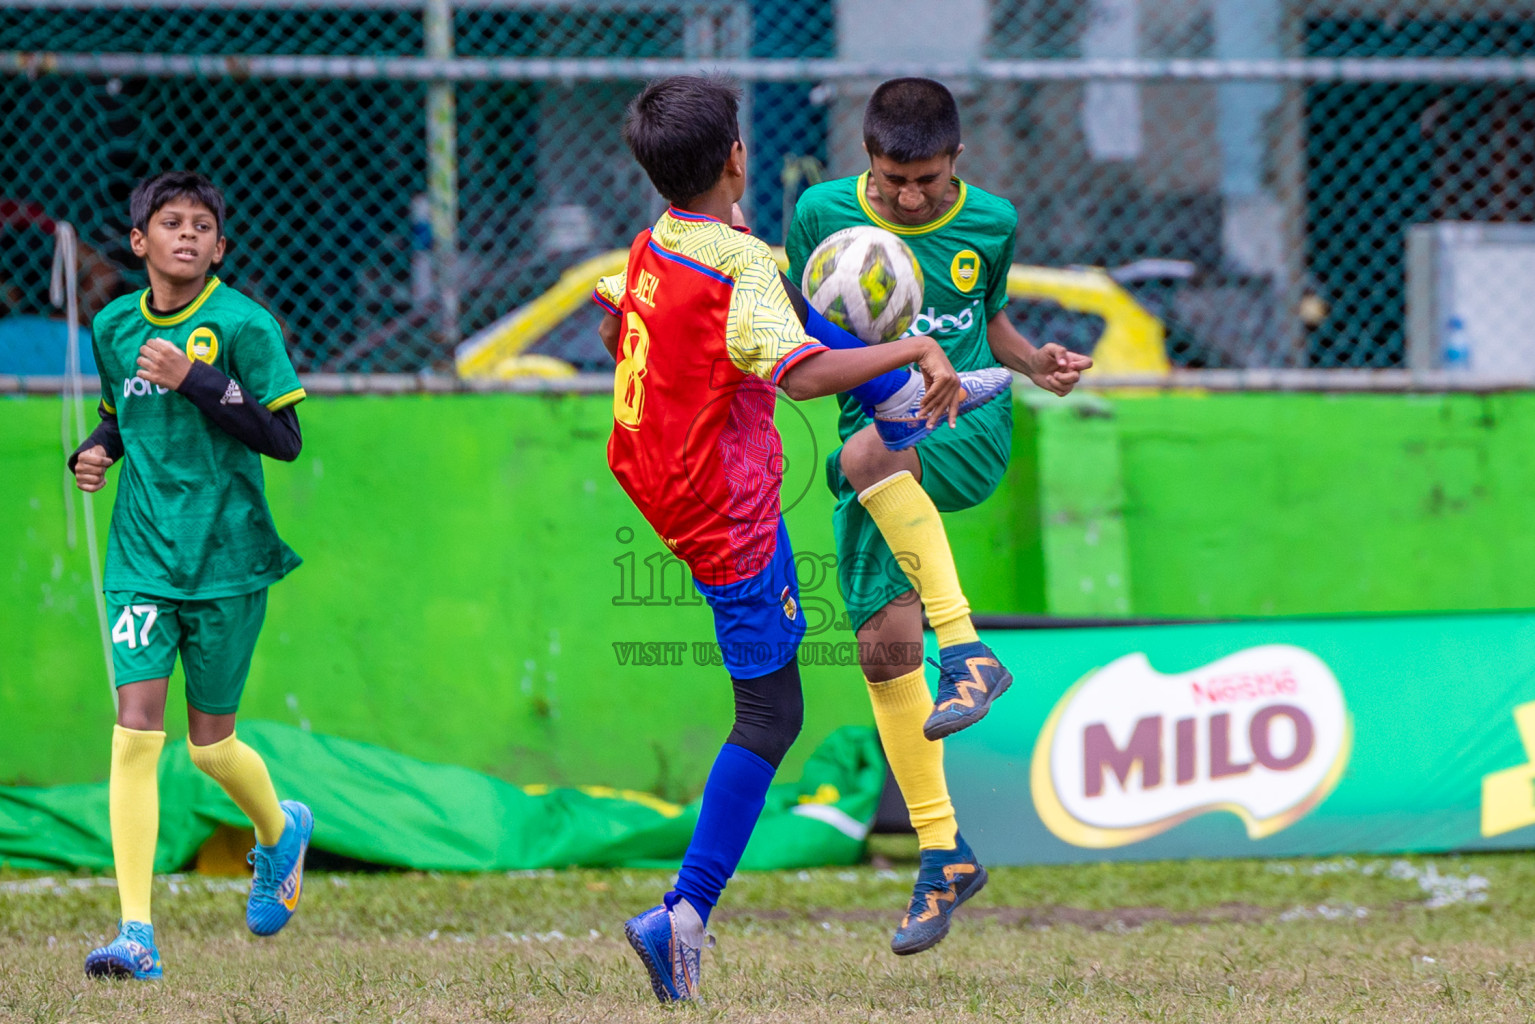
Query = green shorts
x=960 y=469
x=215 y=638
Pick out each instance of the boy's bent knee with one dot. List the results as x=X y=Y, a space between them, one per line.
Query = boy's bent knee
x=141 y=719
x=865 y=460
x=770 y=711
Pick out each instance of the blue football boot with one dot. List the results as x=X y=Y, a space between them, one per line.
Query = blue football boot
x=902 y=428
x=947 y=879
x=131 y=955
x=969 y=678
x=670 y=942
x=279 y=879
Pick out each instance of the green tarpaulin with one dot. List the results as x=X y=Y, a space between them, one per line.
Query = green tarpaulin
x=381 y=807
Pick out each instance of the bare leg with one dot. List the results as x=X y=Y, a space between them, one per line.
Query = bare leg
x=866 y=461
x=204 y=729
x=141 y=706
x=890 y=643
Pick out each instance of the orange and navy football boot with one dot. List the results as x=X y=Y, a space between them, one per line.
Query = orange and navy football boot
x=947 y=879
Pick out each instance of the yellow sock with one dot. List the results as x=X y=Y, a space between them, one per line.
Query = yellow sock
x=901 y=705
x=133 y=806
x=909 y=522
x=243 y=774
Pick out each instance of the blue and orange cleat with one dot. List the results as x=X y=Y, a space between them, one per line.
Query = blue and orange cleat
x=969 y=678
x=672 y=963
x=279 y=879
x=131 y=955
x=906 y=427
x=947 y=879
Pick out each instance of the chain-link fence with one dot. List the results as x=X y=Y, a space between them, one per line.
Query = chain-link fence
x=1353 y=181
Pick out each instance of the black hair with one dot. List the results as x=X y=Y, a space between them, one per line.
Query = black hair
x=910 y=119
x=151 y=194
x=681 y=130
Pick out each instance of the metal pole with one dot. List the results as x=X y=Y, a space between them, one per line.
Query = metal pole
x=64 y=291
x=442 y=168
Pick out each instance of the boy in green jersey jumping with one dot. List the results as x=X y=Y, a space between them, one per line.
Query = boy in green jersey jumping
x=195 y=387
x=889 y=501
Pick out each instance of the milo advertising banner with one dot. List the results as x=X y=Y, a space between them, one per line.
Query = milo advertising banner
x=1280 y=738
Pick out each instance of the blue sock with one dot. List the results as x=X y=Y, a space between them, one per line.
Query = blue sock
x=733 y=800
x=870 y=392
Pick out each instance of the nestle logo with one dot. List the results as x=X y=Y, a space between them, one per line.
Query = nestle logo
x=1244 y=686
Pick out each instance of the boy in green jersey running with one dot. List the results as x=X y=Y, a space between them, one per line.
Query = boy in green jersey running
x=195 y=387
x=889 y=501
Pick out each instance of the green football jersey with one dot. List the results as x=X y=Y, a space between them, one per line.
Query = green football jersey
x=965 y=256
x=191 y=519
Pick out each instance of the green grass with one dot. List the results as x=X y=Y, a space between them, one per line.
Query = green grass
x=1447 y=938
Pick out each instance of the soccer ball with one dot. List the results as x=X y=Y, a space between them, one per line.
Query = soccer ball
x=866 y=281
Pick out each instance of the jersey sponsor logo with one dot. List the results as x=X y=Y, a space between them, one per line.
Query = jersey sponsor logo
x=1129 y=752
x=203 y=345
x=932 y=323
x=965 y=269
x=140 y=386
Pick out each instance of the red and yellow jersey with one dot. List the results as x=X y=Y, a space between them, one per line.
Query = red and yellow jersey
x=706 y=332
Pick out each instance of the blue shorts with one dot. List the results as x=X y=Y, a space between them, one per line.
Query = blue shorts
x=758 y=620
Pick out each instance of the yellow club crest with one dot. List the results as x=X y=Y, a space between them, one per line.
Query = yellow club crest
x=965 y=269
x=203 y=345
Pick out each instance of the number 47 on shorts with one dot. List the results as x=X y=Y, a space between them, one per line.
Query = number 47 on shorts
x=127 y=630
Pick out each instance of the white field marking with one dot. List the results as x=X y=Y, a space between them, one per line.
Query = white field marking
x=1439 y=890
x=174 y=884
x=836 y=817
x=1325 y=912
x=554 y=936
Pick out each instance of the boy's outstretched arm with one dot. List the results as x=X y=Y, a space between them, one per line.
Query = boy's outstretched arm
x=1051 y=366
x=274 y=434
x=833 y=371
x=848 y=368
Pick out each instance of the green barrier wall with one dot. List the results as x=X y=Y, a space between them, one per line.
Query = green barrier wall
x=1276 y=504
x=461 y=600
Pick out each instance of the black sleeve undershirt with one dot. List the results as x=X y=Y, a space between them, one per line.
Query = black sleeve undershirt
x=274 y=434
x=106 y=434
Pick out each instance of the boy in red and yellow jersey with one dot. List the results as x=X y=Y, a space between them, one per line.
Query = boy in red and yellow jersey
x=703 y=330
